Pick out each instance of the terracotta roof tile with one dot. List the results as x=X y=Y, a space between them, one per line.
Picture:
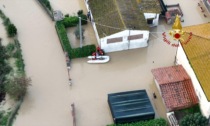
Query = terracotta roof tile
x=176 y=87
x=170 y=74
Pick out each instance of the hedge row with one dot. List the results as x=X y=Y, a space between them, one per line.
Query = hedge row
x=154 y=122
x=61 y=31
x=82 y=52
x=71 y=21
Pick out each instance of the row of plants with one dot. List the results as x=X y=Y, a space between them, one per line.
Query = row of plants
x=4 y=70
x=195 y=119
x=47 y=6
x=154 y=122
x=192 y=117
x=4 y=117
x=10 y=28
x=70 y=21
x=13 y=80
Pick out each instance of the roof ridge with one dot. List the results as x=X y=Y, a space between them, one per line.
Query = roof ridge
x=197 y=35
x=115 y=2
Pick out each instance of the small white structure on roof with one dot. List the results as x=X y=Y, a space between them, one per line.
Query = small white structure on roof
x=152 y=19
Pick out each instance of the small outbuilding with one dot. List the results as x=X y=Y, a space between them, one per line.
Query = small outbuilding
x=123 y=24
x=175 y=87
x=130 y=106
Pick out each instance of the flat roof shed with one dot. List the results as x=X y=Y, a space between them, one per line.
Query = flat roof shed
x=130 y=106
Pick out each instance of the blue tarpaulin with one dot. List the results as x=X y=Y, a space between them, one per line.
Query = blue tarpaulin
x=130 y=106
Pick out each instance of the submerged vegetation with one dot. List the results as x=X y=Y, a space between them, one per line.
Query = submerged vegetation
x=10 y=28
x=154 y=122
x=13 y=80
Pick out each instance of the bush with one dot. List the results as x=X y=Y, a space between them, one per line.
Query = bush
x=4 y=118
x=10 y=49
x=20 y=65
x=74 y=20
x=154 y=122
x=2 y=15
x=6 y=22
x=17 y=54
x=47 y=4
x=17 y=87
x=19 y=58
x=83 y=19
x=66 y=15
x=79 y=12
x=4 y=67
x=70 y=21
x=11 y=30
x=192 y=110
x=195 y=119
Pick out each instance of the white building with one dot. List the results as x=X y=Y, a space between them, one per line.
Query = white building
x=195 y=58
x=123 y=24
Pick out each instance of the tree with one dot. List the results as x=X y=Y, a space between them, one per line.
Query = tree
x=16 y=87
x=83 y=17
x=11 y=30
x=195 y=119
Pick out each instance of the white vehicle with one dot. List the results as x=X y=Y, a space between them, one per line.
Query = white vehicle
x=98 y=59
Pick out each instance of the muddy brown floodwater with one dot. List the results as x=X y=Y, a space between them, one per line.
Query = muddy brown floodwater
x=48 y=100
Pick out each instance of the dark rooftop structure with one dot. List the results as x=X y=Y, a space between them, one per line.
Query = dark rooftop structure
x=130 y=106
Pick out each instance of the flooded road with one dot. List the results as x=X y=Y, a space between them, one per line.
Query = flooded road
x=48 y=100
x=45 y=64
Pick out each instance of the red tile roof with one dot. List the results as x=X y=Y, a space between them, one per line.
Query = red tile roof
x=176 y=87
